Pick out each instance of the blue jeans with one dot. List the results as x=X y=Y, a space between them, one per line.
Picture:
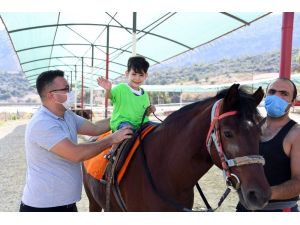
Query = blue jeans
x=124 y=124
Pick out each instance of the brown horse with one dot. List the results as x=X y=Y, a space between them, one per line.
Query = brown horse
x=180 y=151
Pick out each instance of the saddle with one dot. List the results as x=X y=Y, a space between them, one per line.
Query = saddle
x=118 y=164
x=110 y=170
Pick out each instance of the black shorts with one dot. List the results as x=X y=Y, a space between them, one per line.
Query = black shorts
x=63 y=208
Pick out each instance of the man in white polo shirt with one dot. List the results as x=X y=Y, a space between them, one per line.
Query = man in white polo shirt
x=54 y=177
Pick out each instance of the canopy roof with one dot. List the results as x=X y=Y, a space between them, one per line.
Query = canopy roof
x=80 y=43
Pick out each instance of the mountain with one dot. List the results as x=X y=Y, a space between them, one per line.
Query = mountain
x=262 y=36
x=236 y=67
x=14 y=88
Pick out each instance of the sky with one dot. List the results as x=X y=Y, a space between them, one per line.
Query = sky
x=1 y=25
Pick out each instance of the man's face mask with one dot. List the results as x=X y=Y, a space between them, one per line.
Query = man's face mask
x=70 y=101
x=276 y=107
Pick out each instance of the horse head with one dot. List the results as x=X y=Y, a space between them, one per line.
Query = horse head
x=236 y=131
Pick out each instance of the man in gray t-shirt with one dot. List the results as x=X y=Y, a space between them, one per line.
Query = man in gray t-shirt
x=54 y=178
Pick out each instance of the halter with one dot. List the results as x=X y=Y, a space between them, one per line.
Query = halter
x=214 y=135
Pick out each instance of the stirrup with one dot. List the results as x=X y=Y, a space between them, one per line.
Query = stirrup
x=102 y=181
x=109 y=154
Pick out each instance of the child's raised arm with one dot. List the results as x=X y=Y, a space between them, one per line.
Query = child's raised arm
x=106 y=85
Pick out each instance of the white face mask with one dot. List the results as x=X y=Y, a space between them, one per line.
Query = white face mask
x=70 y=101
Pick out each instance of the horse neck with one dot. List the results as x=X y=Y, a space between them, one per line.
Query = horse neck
x=178 y=149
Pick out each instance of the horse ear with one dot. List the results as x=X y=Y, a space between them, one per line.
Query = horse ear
x=232 y=98
x=258 y=95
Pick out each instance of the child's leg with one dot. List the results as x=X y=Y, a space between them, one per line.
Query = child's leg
x=125 y=124
x=153 y=122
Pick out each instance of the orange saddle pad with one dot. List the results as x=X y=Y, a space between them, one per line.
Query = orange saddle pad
x=96 y=165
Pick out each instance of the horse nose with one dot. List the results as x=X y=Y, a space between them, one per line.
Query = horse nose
x=257 y=199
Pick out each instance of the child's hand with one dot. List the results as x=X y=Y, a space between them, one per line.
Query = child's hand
x=151 y=109
x=104 y=83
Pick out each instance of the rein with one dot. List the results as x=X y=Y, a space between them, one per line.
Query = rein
x=179 y=207
x=214 y=136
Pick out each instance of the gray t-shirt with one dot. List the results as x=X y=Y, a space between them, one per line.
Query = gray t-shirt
x=50 y=179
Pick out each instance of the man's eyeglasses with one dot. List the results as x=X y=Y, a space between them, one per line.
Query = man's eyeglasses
x=67 y=89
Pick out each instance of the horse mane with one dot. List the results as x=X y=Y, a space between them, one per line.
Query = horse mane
x=246 y=107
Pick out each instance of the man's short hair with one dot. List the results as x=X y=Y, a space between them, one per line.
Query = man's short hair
x=286 y=79
x=138 y=63
x=45 y=79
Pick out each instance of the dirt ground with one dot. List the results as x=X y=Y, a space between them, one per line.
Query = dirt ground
x=13 y=170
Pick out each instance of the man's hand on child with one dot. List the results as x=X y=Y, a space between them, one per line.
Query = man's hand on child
x=104 y=83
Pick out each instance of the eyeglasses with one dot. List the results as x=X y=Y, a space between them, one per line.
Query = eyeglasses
x=67 y=89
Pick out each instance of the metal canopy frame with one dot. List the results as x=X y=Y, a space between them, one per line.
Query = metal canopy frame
x=158 y=38
x=147 y=31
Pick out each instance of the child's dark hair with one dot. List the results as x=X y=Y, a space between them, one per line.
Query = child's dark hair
x=46 y=78
x=138 y=64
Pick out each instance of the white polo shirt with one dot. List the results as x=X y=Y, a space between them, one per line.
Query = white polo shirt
x=50 y=179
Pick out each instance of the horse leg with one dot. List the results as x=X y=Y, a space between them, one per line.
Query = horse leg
x=93 y=205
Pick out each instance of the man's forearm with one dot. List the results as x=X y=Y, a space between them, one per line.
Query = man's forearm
x=103 y=126
x=88 y=150
x=286 y=190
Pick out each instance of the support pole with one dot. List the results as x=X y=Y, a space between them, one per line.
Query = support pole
x=286 y=45
x=134 y=35
x=71 y=81
x=82 y=89
x=75 y=85
x=106 y=70
x=92 y=55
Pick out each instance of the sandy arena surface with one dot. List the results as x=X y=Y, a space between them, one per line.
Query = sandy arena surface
x=13 y=169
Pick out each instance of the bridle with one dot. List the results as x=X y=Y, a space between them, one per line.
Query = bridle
x=214 y=135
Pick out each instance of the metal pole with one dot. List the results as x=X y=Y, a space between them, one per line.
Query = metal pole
x=82 y=91
x=92 y=55
x=71 y=80
x=76 y=91
x=106 y=70
x=286 y=45
x=91 y=102
x=134 y=35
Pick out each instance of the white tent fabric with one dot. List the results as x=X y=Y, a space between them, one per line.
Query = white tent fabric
x=81 y=44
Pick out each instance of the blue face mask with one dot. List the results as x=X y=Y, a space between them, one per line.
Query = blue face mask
x=276 y=107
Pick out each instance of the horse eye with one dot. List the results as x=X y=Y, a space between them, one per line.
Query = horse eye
x=228 y=134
